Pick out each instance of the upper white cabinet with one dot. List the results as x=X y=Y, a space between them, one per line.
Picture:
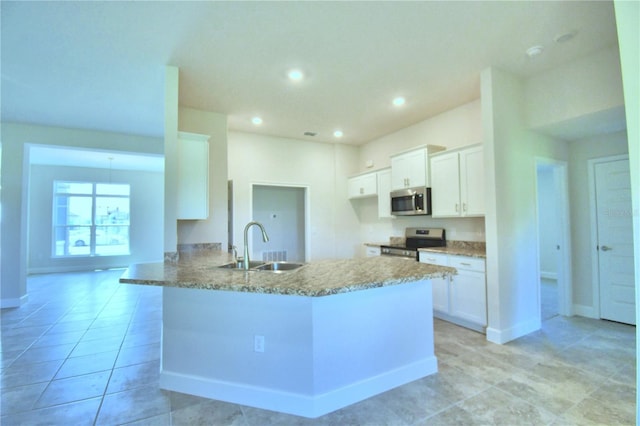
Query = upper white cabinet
x=384 y=191
x=457 y=182
x=411 y=168
x=193 y=176
x=365 y=185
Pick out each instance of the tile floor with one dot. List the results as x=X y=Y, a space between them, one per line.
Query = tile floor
x=85 y=350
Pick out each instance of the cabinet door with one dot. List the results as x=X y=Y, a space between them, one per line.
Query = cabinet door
x=468 y=293
x=409 y=169
x=193 y=176
x=362 y=186
x=472 y=181
x=384 y=188
x=399 y=165
x=445 y=185
x=440 y=287
x=417 y=168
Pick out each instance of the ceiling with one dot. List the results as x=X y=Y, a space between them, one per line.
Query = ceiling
x=100 y=65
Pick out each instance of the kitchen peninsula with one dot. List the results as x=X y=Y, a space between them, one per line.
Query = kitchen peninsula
x=305 y=342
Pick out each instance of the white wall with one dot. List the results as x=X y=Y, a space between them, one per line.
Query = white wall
x=147 y=200
x=171 y=84
x=512 y=259
x=580 y=152
x=282 y=211
x=584 y=87
x=214 y=228
x=455 y=128
x=628 y=25
x=14 y=189
x=320 y=167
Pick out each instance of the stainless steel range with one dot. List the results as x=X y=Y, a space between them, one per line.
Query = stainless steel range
x=416 y=238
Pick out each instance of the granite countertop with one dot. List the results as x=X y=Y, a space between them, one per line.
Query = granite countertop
x=460 y=248
x=315 y=279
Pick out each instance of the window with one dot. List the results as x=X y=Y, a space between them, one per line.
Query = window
x=90 y=219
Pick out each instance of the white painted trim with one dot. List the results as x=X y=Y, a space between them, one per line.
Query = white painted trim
x=564 y=276
x=14 y=302
x=593 y=222
x=296 y=403
x=500 y=337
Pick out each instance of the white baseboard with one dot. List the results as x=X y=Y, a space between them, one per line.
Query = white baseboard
x=549 y=275
x=299 y=404
x=503 y=336
x=14 y=302
x=585 y=311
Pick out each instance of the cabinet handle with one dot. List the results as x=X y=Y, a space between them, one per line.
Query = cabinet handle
x=361 y=191
x=457 y=208
x=465 y=264
x=464 y=207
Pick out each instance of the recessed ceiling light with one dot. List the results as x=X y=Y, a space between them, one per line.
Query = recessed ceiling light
x=295 y=75
x=338 y=134
x=399 y=101
x=534 y=51
x=256 y=120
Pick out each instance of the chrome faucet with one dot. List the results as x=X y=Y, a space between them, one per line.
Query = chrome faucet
x=265 y=238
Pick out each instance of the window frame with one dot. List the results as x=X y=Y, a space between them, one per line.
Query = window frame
x=93 y=226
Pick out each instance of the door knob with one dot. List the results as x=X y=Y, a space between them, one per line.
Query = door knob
x=605 y=248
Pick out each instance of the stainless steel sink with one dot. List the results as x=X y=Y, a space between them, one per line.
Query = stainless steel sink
x=240 y=264
x=278 y=266
x=262 y=266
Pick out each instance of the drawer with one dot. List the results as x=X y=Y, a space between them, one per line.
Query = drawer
x=467 y=263
x=434 y=258
x=373 y=251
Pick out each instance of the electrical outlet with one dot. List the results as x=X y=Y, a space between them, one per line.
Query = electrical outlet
x=258 y=343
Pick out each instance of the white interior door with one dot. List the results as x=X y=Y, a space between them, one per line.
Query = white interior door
x=615 y=241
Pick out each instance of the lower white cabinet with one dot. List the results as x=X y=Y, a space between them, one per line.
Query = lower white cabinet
x=373 y=251
x=461 y=299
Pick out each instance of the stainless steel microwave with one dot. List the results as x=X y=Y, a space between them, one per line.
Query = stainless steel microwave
x=411 y=201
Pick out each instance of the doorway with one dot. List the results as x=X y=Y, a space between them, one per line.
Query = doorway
x=282 y=210
x=554 y=251
x=612 y=230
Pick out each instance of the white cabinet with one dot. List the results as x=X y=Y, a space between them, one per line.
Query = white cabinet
x=468 y=290
x=193 y=176
x=457 y=183
x=411 y=169
x=461 y=299
x=365 y=185
x=440 y=286
x=384 y=190
x=373 y=251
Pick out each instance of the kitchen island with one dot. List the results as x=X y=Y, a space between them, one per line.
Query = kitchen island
x=304 y=342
